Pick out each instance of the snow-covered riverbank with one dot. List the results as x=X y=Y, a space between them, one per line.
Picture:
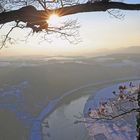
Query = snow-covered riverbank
x=123 y=128
x=36 y=127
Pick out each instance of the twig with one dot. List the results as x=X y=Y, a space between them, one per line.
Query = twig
x=42 y=4
x=108 y=117
x=7 y=36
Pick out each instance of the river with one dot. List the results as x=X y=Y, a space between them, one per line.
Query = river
x=61 y=120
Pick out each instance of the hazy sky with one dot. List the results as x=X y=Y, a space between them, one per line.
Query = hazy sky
x=98 y=31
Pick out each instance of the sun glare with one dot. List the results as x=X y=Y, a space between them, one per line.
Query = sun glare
x=53 y=20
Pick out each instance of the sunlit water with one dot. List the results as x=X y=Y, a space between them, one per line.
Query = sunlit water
x=61 y=122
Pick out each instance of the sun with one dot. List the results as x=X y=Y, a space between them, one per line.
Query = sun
x=53 y=20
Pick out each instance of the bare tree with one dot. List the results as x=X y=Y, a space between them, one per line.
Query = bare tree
x=33 y=14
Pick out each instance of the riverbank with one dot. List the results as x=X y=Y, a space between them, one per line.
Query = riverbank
x=37 y=124
x=109 y=128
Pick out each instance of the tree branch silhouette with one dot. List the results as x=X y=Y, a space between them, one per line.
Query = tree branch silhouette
x=35 y=17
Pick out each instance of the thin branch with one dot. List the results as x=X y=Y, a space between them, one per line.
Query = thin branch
x=7 y=36
x=1 y=26
x=107 y=117
x=45 y=6
x=116 y=14
x=42 y=4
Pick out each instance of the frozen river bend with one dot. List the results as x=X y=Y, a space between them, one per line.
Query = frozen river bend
x=66 y=114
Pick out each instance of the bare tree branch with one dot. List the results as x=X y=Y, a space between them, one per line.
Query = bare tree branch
x=108 y=117
x=42 y=4
x=116 y=14
x=38 y=15
x=93 y=7
x=36 y=19
x=7 y=37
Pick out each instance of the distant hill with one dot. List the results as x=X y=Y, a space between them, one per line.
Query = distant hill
x=129 y=50
x=119 y=51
